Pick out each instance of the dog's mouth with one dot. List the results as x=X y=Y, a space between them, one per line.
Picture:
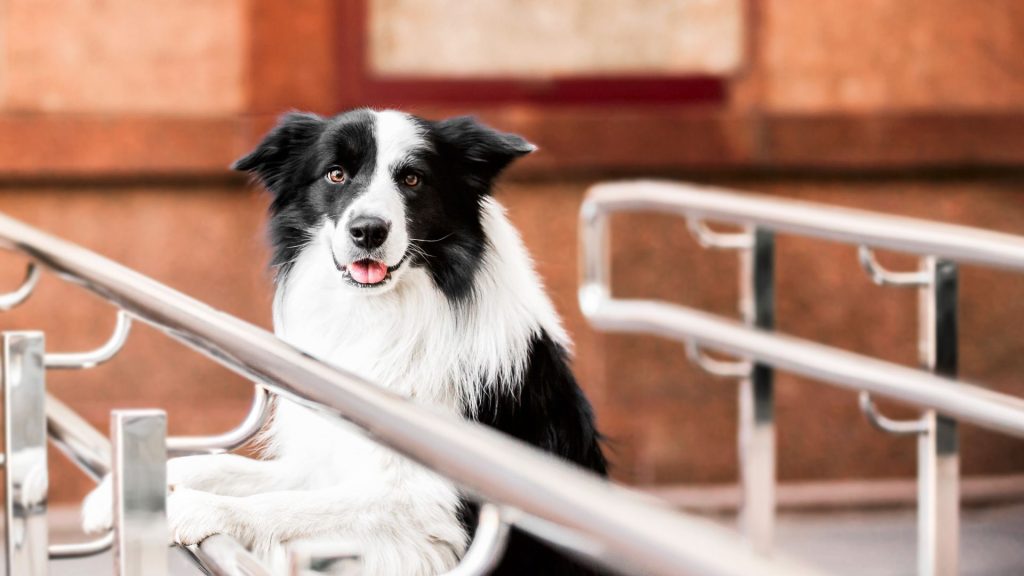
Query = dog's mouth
x=368 y=273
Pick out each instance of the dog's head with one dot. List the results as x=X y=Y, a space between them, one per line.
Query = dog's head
x=385 y=191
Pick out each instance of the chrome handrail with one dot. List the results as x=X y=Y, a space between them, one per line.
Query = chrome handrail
x=82 y=549
x=614 y=528
x=77 y=439
x=939 y=246
x=222 y=555
x=949 y=396
x=847 y=225
x=969 y=402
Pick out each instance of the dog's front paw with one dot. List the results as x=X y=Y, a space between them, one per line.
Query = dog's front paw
x=189 y=472
x=98 y=508
x=192 y=516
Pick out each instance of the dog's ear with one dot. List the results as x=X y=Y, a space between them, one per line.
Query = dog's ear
x=481 y=151
x=279 y=159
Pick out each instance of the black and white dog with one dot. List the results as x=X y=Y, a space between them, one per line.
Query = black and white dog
x=395 y=262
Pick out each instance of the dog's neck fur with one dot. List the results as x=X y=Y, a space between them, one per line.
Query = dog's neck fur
x=412 y=340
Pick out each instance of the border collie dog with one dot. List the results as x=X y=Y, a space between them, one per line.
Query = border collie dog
x=393 y=261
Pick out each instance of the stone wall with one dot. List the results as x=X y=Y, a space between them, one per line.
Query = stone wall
x=117 y=124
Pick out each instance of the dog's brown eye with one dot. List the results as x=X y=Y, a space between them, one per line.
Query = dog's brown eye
x=411 y=180
x=336 y=176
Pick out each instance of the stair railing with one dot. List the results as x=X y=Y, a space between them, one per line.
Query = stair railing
x=943 y=398
x=572 y=509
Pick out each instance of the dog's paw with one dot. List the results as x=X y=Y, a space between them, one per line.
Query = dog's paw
x=188 y=472
x=98 y=508
x=192 y=516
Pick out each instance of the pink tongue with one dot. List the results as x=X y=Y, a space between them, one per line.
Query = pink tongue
x=367 y=271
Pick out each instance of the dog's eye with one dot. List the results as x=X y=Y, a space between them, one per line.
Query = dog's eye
x=335 y=175
x=411 y=180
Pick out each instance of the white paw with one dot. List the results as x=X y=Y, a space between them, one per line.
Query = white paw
x=192 y=516
x=98 y=508
x=188 y=472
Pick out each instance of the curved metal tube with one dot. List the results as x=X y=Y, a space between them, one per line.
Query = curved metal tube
x=255 y=420
x=708 y=238
x=13 y=299
x=885 y=424
x=488 y=545
x=879 y=275
x=93 y=358
x=82 y=549
x=80 y=442
x=222 y=555
x=715 y=367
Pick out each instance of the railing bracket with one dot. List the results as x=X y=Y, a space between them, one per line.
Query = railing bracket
x=886 y=424
x=714 y=366
x=13 y=299
x=708 y=238
x=879 y=275
x=93 y=358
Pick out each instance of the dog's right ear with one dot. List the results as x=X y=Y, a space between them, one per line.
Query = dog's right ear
x=278 y=160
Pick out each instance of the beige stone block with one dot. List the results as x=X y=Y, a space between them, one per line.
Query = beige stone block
x=538 y=38
x=157 y=56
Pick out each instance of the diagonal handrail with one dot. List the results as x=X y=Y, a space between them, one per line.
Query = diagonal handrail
x=612 y=527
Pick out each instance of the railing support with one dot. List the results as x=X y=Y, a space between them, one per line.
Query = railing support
x=756 y=397
x=938 y=461
x=25 y=468
x=756 y=434
x=139 y=439
x=938 y=449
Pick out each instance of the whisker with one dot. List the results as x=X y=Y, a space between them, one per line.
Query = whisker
x=445 y=237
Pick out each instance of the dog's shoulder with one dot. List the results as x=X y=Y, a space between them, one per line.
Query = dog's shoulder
x=548 y=409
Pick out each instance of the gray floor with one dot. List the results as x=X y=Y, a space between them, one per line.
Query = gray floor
x=879 y=543
x=883 y=543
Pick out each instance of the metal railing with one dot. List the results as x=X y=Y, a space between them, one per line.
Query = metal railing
x=573 y=509
x=934 y=389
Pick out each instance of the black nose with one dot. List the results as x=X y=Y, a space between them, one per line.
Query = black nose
x=368 y=232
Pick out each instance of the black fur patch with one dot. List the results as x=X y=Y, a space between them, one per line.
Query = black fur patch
x=551 y=413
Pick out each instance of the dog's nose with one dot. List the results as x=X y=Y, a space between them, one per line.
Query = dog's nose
x=368 y=232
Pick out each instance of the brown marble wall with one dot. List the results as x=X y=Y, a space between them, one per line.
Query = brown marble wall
x=828 y=55
x=667 y=421
x=134 y=169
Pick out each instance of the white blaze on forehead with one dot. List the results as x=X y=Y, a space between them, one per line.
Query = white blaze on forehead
x=396 y=136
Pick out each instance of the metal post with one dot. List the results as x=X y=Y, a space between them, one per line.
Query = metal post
x=139 y=438
x=757 y=413
x=938 y=449
x=25 y=471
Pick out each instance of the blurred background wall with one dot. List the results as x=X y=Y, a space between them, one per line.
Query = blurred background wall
x=118 y=119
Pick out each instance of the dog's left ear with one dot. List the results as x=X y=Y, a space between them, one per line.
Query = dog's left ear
x=483 y=151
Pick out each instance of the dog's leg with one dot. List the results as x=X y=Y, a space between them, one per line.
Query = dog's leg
x=224 y=474
x=231 y=475
x=397 y=533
